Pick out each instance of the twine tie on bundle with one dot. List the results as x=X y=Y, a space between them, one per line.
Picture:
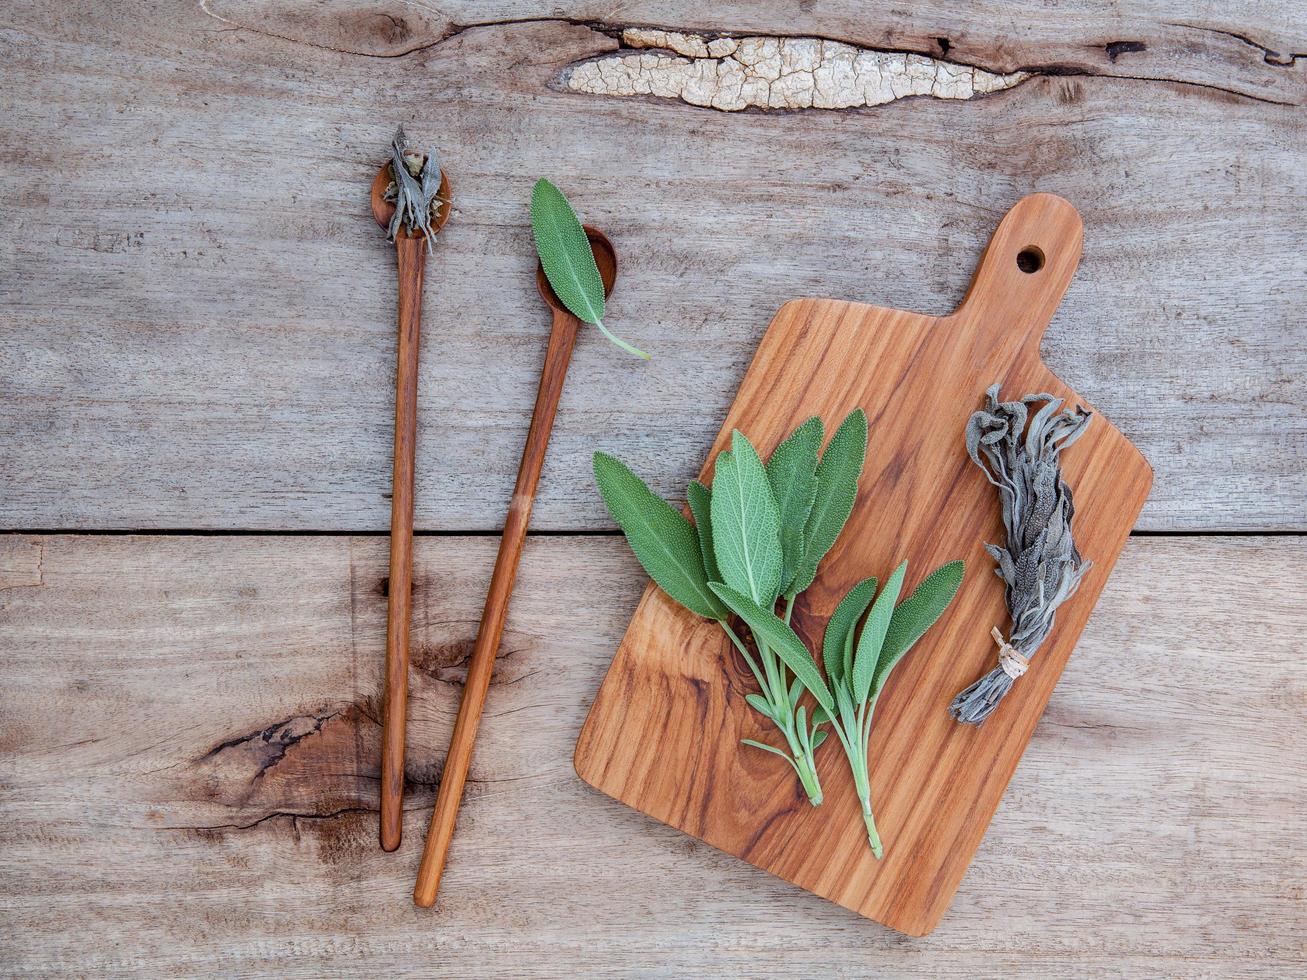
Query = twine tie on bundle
x=1009 y=658
x=1039 y=562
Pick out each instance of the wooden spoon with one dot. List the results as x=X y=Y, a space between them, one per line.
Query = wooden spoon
x=559 y=353
x=411 y=256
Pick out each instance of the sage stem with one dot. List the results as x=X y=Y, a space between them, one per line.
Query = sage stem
x=771 y=680
x=808 y=777
x=744 y=652
x=620 y=342
x=872 y=837
x=775 y=686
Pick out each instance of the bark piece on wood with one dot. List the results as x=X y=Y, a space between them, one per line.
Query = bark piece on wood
x=735 y=73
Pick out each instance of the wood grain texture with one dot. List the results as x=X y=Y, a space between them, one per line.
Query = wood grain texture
x=224 y=821
x=664 y=732
x=1253 y=55
x=231 y=313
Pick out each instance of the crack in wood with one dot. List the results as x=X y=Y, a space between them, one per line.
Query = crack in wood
x=324 y=762
x=1269 y=55
x=290 y=815
x=369 y=42
x=316 y=761
x=281 y=736
x=447 y=661
x=687 y=67
x=1114 y=49
x=1205 y=86
x=294 y=816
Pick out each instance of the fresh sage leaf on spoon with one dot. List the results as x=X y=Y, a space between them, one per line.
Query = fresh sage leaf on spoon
x=568 y=260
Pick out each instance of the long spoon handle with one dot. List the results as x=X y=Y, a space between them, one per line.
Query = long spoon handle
x=411 y=254
x=450 y=795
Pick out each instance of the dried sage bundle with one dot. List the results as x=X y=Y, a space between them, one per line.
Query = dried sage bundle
x=1039 y=562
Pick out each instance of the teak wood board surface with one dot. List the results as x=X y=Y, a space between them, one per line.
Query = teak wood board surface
x=663 y=734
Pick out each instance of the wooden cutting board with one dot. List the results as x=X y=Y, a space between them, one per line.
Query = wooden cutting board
x=663 y=734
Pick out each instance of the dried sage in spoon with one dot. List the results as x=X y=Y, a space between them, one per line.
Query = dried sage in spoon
x=414 y=189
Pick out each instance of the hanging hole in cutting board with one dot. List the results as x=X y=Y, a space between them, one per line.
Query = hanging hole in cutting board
x=1030 y=259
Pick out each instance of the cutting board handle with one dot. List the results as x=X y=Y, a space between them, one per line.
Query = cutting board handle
x=1024 y=271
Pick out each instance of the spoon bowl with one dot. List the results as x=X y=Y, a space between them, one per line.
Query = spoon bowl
x=605 y=259
x=384 y=210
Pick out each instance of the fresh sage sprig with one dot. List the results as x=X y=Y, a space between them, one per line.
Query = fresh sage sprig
x=856 y=675
x=568 y=259
x=758 y=536
x=857 y=672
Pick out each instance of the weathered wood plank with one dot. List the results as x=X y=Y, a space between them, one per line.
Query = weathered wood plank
x=1252 y=53
x=194 y=339
x=189 y=778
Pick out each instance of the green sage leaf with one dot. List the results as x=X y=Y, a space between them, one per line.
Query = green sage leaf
x=700 y=500
x=745 y=524
x=759 y=704
x=775 y=633
x=568 y=259
x=867 y=658
x=837 y=488
x=796 y=689
x=565 y=253
x=792 y=471
x=844 y=702
x=836 y=645
x=914 y=615
x=770 y=748
x=660 y=535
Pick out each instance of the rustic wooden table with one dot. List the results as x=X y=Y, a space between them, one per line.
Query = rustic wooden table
x=196 y=367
